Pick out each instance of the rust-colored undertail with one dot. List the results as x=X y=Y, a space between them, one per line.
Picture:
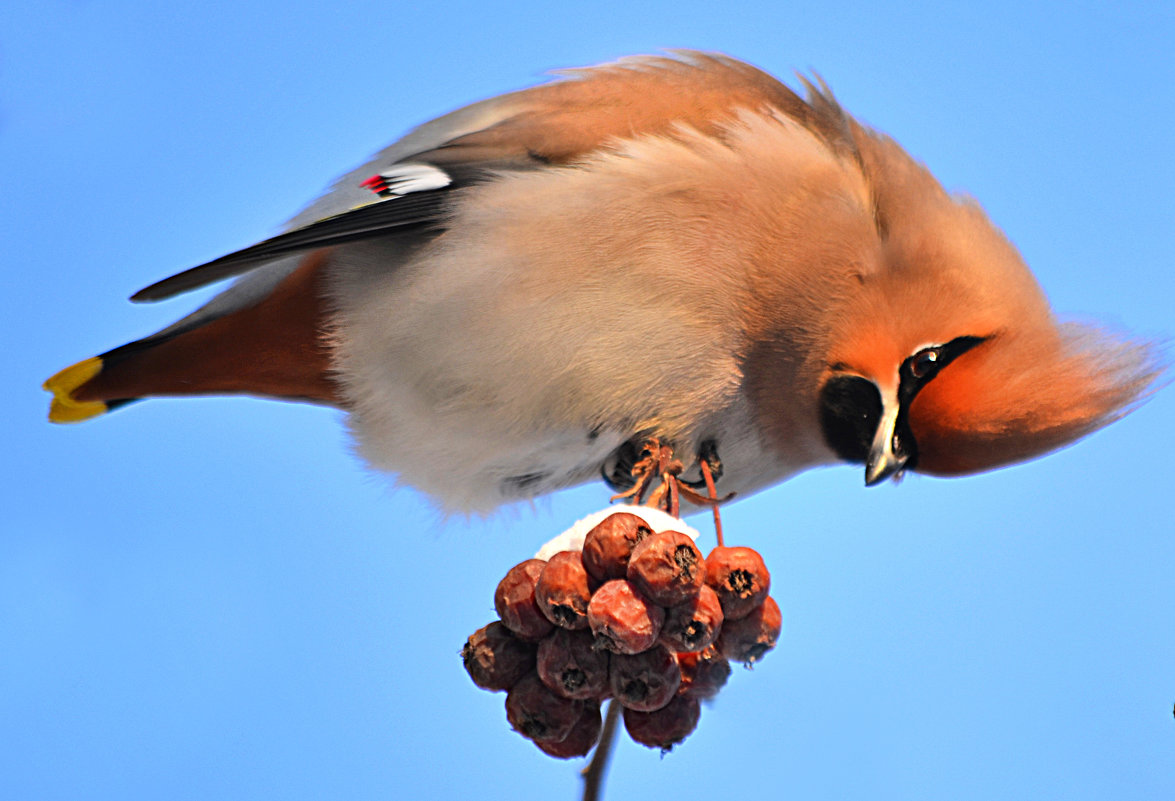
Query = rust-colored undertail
x=277 y=348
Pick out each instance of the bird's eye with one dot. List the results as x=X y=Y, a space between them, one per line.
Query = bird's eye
x=923 y=362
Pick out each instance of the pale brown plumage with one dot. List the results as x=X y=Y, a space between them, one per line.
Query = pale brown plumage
x=672 y=246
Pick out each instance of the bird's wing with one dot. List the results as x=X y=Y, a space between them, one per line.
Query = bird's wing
x=553 y=124
x=374 y=219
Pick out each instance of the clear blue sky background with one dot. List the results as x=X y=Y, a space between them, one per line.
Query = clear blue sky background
x=211 y=599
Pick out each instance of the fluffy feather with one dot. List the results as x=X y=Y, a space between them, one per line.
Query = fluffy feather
x=680 y=246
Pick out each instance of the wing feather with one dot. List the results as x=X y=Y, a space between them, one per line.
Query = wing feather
x=383 y=217
x=555 y=123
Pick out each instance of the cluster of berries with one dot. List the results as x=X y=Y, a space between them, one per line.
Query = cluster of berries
x=636 y=616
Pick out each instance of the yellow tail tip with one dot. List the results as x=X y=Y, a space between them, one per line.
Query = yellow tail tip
x=64 y=408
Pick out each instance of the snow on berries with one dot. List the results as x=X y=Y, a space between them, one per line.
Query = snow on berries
x=631 y=612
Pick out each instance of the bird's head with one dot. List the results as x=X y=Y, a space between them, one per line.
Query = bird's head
x=947 y=359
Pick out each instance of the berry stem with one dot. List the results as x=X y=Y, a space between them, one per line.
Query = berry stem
x=713 y=491
x=593 y=774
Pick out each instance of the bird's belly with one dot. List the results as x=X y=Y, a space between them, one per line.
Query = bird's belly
x=480 y=381
x=478 y=446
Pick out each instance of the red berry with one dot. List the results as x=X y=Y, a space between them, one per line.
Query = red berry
x=583 y=736
x=694 y=624
x=739 y=577
x=495 y=658
x=622 y=619
x=703 y=674
x=562 y=591
x=606 y=547
x=515 y=602
x=747 y=640
x=569 y=665
x=645 y=681
x=665 y=727
x=667 y=567
x=539 y=714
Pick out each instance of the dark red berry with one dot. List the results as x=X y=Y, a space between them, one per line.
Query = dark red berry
x=495 y=658
x=583 y=736
x=622 y=619
x=515 y=602
x=569 y=665
x=694 y=624
x=562 y=591
x=739 y=577
x=667 y=567
x=607 y=546
x=748 y=639
x=665 y=727
x=645 y=681
x=703 y=674
x=536 y=712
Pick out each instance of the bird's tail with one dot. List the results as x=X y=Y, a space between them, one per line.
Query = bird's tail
x=274 y=348
x=66 y=406
x=84 y=390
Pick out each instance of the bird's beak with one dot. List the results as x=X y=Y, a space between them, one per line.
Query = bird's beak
x=883 y=462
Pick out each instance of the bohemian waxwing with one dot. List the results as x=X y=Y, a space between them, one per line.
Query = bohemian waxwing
x=508 y=298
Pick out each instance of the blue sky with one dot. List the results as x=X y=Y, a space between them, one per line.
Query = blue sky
x=214 y=599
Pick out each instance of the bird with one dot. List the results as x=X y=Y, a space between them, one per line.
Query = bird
x=510 y=298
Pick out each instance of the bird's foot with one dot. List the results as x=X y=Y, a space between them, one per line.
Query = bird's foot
x=657 y=461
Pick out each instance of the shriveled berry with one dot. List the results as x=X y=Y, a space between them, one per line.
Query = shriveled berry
x=694 y=624
x=606 y=547
x=665 y=727
x=748 y=639
x=667 y=567
x=703 y=674
x=495 y=658
x=584 y=734
x=622 y=619
x=539 y=714
x=562 y=591
x=645 y=681
x=514 y=600
x=739 y=577
x=569 y=665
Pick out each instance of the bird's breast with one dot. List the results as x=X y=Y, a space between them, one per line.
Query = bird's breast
x=562 y=313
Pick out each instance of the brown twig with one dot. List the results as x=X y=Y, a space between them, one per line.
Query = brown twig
x=710 y=488
x=593 y=774
x=658 y=461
